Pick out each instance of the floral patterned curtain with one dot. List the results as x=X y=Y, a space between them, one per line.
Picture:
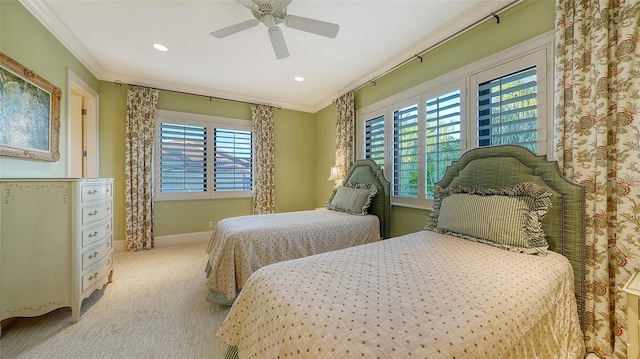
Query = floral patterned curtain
x=264 y=200
x=141 y=116
x=345 y=127
x=598 y=146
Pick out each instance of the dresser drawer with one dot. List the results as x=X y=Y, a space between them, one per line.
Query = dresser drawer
x=95 y=191
x=96 y=212
x=93 y=255
x=100 y=271
x=97 y=232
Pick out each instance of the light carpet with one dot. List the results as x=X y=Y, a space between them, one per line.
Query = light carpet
x=155 y=308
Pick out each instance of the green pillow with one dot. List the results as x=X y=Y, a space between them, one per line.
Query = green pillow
x=352 y=198
x=509 y=218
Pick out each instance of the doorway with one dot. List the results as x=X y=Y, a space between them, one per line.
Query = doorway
x=82 y=108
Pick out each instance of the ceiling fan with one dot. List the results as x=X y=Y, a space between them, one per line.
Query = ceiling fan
x=274 y=12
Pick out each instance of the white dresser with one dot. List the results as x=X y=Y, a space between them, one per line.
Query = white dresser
x=56 y=243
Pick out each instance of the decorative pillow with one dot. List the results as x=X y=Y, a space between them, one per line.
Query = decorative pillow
x=508 y=218
x=352 y=198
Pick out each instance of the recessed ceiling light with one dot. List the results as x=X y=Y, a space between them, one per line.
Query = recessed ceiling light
x=299 y=78
x=160 y=47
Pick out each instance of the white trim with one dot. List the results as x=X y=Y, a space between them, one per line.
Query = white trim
x=43 y=12
x=47 y=17
x=92 y=105
x=184 y=238
x=416 y=102
x=170 y=240
x=544 y=83
x=119 y=246
x=187 y=117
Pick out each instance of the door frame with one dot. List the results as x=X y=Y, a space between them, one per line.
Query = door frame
x=91 y=130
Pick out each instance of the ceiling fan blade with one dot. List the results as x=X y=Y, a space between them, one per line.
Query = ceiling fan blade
x=277 y=41
x=317 y=27
x=230 y=30
x=248 y=4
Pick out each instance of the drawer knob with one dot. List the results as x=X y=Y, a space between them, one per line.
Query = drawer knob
x=93 y=276
x=93 y=255
x=93 y=213
x=93 y=234
x=93 y=191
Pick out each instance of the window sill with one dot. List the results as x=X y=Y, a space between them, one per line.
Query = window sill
x=428 y=208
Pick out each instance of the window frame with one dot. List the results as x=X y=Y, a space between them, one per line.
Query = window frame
x=414 y=101
x=544 y=108
x=537 y=51
x=361 y=133
x=459 y=84
x=210 y=123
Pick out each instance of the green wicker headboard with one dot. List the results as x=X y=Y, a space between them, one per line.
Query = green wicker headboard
x=367 y=171
x=508 y=165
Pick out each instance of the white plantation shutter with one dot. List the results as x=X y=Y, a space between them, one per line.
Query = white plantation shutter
x=374 y=140
x=201 y=156
x=183 y=158
x=442 y=116
x=405 y=152
x=232 y=160
x=507 y=110
x=506 y=98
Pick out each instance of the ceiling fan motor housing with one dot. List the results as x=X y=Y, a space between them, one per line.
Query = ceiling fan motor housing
x=274 y=12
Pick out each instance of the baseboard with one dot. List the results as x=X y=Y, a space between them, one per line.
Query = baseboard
x=170 y=240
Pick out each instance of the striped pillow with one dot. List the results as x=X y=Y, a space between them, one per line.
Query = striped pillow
x=352 y=198
x=508 y=218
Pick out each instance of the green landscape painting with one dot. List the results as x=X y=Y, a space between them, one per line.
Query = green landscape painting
x=24 y=113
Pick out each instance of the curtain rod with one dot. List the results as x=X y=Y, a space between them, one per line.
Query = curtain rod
x=493 y=14
x=120 y=83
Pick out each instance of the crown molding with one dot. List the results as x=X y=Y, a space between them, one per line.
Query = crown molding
x=43 y=13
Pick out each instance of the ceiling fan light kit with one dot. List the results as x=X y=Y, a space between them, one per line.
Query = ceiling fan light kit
x=274 y=12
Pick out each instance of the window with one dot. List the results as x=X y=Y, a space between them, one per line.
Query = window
x=507 y=110
x=374 y=140
x=201 y=156
x=406 y=150
x=183 y=158
x=417 y=134
x=232 y=160
x=442 y=117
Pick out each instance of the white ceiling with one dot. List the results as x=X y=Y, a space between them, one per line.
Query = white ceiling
x=113 y=39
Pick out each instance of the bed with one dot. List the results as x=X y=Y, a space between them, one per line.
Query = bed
x=437 y=293
x=241 y=245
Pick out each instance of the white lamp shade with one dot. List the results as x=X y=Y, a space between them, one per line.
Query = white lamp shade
x=335 y=174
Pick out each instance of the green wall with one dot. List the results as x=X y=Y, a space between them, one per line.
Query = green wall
x=305 y=143
x=112 y=110
x=294 y=155
x=325 y=153
x=522 y=22
x=25 y=40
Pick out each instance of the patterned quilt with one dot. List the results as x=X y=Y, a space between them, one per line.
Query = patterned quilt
x=241 y=245
x=422 y=295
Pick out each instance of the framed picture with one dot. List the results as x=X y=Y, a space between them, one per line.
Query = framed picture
x=29 y=113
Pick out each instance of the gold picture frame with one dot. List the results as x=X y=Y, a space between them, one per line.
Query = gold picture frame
x=29 y=113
